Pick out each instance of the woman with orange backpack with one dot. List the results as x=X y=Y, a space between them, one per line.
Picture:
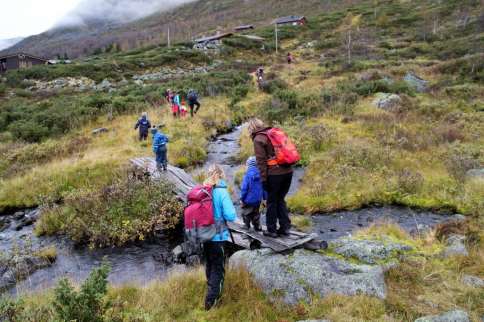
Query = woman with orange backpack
x=275 y=155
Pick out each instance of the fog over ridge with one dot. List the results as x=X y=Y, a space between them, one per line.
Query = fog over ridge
x=118 y=11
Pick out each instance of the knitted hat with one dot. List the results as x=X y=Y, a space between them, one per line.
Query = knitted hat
x=251 y=161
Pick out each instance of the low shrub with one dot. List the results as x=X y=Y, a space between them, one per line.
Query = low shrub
x=87 y=304
x=126 y=211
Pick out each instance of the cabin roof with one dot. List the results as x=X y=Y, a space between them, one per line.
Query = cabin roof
x=243 y=27
x=24 y=54
x=214 y=37
x=289 y=19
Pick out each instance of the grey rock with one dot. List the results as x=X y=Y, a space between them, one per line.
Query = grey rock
x=105 y=85
x=451 y=316
x=387 y=102
x=419 y=84
x=99 y=131
x=368 y=251
x=475 y=174
x=473 y=281
x=19 y=215
x=294 y=277
x=455 y=246
x=458 y=217
x=17 y=268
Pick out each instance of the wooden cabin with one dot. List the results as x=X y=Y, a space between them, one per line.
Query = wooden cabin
x=291 y=20
x=19 y=61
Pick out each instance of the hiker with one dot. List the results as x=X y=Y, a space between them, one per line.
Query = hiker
x=290 y=58
x=276 y=173
x=260 y=76
x=251 y=195
x=175 y=106
x=193 y=102
x=213 y=251
x=144 y=126
x=183 y=109
x=160 y=149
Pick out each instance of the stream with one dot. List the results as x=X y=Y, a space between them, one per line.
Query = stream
x=143 y=263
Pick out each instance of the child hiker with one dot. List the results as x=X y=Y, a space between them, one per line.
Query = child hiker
x=175 y=106
x=251 y=195
x=160 y=149
x=183 y=108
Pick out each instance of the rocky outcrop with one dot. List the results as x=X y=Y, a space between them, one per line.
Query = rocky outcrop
x=416 y=82
x=79 y=84
x=296 y=276
x=451 y=316
x=472 y=281
x=475 y=174
x=368 y=251
x=387 y=102
x=99 y=131
x=455 y=246
x=167 y=73
x=18 y=267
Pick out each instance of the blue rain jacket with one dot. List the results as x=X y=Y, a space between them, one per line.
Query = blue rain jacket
x=223 y=208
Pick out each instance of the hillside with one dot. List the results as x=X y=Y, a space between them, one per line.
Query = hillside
x=385 y=103
x=185 y=23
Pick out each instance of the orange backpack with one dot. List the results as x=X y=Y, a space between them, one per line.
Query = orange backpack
x=286 y=151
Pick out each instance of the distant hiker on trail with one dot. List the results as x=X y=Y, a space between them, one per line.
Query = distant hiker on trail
x=175 y=106
x=251 y=195
x=275 y=155
x=205 y=219
x=290 y=58
x=193 y=102
x=160 y=149
x=260 y=76
x=169 y=96
x=144 y=126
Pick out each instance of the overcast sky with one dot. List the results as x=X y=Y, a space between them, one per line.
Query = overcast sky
x=20 y=18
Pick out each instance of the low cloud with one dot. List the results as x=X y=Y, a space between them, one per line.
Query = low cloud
x=118 y=11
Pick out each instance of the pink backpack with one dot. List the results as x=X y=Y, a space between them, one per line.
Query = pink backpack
x=199 y=220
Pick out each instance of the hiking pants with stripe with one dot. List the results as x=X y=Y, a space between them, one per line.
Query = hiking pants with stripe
x=214 y=256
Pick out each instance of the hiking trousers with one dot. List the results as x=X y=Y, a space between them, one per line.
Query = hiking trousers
x=194 y=107
x=143 y=135
x=277 y=189
x=214 y=256
x=161 y=159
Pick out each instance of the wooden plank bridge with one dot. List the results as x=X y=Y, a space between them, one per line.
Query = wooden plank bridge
x=181 y=183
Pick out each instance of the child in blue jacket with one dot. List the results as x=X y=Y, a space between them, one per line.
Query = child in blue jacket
x=160 y=149
x=251 y=195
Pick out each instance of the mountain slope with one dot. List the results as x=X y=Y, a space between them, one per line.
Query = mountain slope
x=185 y=22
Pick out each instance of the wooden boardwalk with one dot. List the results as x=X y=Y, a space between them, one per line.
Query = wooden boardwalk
x=182 y=182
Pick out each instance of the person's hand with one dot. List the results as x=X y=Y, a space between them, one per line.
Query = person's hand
x=242 y=204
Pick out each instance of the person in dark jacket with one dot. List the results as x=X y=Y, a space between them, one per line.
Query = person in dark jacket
x=213 y=251
x=251 y=195
x=144 y=126
x=193 y=102
x=160 y=142
x=276 y=180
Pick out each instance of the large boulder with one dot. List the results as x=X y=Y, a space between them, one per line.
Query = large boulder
x=416 y=82
x=296 y=276
x=368 y=251
x=387 y=102
x=472 y=281
x=19 y=267
x=451 y=316
x=455 y=246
